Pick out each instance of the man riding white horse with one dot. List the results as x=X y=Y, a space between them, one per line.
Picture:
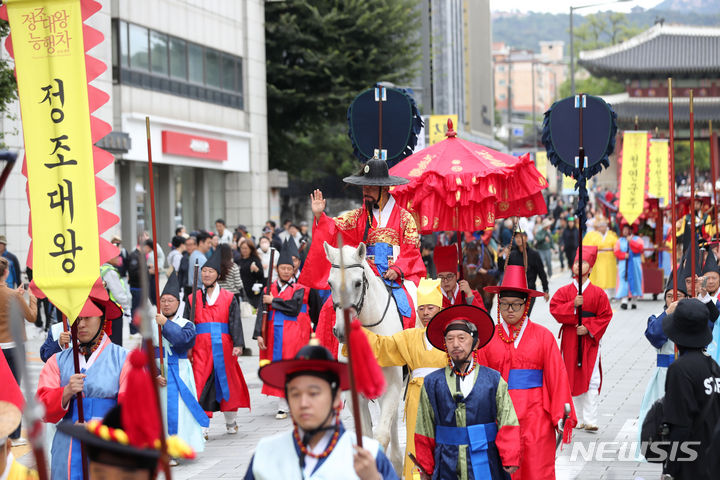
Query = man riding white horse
x=388 y=230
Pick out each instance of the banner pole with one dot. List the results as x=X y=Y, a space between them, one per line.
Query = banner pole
x=692 y=198
x=673 y=200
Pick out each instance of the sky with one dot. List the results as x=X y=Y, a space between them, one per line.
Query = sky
x=563 y=6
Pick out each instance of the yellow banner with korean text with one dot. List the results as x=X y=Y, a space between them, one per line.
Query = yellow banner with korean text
x=541 y=162
x=47 y=43
x=633 y=175
x=659 y=166
x=437 y=127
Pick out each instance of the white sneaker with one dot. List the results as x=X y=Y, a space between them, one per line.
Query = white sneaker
x=280 y=415
x=232 y=428
x=205 y=432
x=173 y=462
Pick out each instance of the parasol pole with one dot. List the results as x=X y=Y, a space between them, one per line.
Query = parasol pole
x=154 y=242
x=580 y=104
x=713 y=173
x=79 y=395
x=692 y=196
x=673 y=200
x=354 y=397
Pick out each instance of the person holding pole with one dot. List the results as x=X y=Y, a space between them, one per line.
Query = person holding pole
x=527 y=357
x=288 y=326
x=585 y=374
x=629 y=250
x=102 y=382
x=219 y=341
x=318 y=446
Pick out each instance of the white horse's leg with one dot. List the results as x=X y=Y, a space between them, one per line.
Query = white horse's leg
x=389 y=405
x=397 y=453
x=366 y=419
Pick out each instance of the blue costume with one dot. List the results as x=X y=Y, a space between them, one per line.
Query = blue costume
x=629 y=255
x=104 y=382
x=51 y=346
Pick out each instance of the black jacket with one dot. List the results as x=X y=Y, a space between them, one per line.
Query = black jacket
x=534 y=270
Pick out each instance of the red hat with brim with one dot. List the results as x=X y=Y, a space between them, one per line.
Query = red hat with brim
x=310 y=359
x=475 y=315
x=445 y=258
x=589 y=254
x=514 y=280
x=98 y=304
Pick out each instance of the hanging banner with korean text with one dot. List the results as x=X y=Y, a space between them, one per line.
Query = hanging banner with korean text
x=633 y=175
x=658 y=166
x=48 y=41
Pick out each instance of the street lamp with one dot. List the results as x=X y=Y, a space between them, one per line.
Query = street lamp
x=572 y=49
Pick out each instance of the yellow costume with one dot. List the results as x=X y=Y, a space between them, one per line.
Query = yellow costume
x=17 y=471
x=604 y=274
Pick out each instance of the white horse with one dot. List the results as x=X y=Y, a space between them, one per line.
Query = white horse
x=377 y=312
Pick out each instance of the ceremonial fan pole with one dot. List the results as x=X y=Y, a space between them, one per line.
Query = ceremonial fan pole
x=673 y=212
x=692 y=197
x=713 y=174
x=154 y=246
x=581 y=219
x=147 y=340
x=354 y=397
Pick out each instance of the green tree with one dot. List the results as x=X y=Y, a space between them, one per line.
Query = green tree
x=597 y=31
x=682 y=156
x=8 y=85
x=320 y=55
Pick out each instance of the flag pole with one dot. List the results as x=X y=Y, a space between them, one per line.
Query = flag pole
x=154 y=246
x=673 y=200
x=692 y=197
x=79 y=395
x=713 y=173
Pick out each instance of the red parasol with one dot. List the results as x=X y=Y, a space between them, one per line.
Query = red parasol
x=459 y=185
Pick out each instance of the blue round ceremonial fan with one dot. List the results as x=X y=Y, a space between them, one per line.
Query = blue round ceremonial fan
x=384 y=122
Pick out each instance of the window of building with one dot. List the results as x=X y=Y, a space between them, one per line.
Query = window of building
x=501 y=96
x=501 y=68
x=159 y=52
x=502 y=83
x=138 y=46
x=153 y=60
x=178 y=58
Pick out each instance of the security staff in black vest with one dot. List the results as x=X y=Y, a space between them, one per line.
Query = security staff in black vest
x=692 y=392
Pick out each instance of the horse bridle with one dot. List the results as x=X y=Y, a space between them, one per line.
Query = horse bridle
x=358 y=306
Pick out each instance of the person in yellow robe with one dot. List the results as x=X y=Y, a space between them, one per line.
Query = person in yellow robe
x=604 y=275
x=411 y=347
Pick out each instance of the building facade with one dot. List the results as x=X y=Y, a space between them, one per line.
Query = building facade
x=196 y=69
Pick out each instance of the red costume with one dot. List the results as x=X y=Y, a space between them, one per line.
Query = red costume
x=537 y=382
x=217 y=321
x=288 y=328
x=396 y=231
x=596 y=317
x=445 y=259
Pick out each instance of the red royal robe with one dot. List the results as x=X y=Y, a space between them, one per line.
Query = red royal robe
x=538 y=409
x=288 y=317
x=596 y=317
x=400 y=231
x=224 y=311
x=477 y=300
x=325 y=324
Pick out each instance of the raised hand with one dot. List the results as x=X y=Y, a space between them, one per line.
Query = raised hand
x=317 y=203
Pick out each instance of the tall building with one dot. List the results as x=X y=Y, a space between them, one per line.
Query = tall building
x=526 y=82
x=197 y=70
x=456 y=74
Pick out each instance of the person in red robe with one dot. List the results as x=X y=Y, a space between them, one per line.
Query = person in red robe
x=288 y=323
x=220 y=382
x=388 y=230
x=446 y=266
x=527 y=357
x=585 y=380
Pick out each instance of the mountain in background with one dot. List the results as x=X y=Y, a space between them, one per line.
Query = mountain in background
x=525 y=30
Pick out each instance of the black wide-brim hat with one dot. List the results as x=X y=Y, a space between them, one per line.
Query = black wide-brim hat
x=475 y=315
x=137 y=457
x=687 y=326
x=375 y=173
x=311 y=359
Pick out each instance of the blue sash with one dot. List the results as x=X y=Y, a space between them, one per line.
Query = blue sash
x=176 y=387
x=477 y=437
x=216 y=331
x=665 y=359
x=279 y=320
x=524 y=379
x=380 y=253
x=92 y=407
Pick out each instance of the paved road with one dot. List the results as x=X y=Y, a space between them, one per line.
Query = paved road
x=628 y=360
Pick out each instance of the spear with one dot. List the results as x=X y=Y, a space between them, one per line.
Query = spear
x=673 y=212
x=154 y=244
x=713 y=169
x=33 y=410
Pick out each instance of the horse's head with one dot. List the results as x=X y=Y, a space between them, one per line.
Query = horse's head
x=471 y=257
x=353 y=259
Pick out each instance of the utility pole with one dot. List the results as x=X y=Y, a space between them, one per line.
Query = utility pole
x=509 y=100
